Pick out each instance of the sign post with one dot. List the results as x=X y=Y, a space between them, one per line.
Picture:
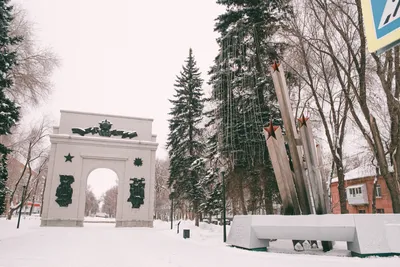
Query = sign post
x=382 y=24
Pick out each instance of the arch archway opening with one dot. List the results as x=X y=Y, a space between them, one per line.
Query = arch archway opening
x=101 y=196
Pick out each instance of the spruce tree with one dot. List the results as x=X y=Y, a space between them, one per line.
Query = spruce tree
x=212 y=188
x=243 y=91
x=9 y=112
x=184 y=143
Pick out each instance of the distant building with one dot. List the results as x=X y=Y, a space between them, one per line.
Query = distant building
x=28 y=206
x=359 y=184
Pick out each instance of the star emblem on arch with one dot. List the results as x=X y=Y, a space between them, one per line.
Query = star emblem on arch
x=138 y=162
x=68 y=158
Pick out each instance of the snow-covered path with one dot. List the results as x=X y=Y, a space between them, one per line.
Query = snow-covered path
x=98 y=245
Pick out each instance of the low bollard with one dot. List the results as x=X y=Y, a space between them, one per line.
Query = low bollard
x=186 y=233
x=177 y=229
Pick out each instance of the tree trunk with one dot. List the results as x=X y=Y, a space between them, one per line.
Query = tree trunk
x=390 y=180
x=396 y=160
x=34 y=196
x=196 y=214
x=241 y=196
x=392 y=185
x=269 y=207
x=233 y=203
x=44 y=188
x=187 y=215
x=32 y=206
x=342 y=190
x=181 y=214
x=374 y=190
x=374 y=198
x=27 y=162
x=11 y=211
x=7 y=204
x=396 y=164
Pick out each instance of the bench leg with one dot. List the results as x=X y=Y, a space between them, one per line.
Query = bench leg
x=327 y=246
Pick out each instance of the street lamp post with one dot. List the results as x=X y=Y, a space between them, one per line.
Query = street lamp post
x=223 y=202
x=172 y=207
x=22 y=203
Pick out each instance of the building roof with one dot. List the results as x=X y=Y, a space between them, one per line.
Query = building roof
x=15 y=164
x=359 y=173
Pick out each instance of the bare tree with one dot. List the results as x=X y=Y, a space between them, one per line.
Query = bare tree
x=162 y=203
x=316 y=75
x=38 y=182
x=92 y=203
x=31 y=147
x=35 y=64
x=109 y=200
x=345 y=44
x=43 y=188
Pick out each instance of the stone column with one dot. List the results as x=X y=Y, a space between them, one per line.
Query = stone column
x=310 y=154
x=283 y=174
x=278 y=77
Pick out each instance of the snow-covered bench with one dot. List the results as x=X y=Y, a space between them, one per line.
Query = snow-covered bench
x=365 y=234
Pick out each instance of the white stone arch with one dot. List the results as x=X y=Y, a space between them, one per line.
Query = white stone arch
x=92 y=152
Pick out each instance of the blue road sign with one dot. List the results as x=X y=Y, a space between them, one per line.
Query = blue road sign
x=382 y=24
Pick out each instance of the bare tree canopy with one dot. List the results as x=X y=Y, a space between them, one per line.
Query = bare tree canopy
x=318 y=87
x=109 y=200
x=32 y=76
x=92 y=203
x=162 y=203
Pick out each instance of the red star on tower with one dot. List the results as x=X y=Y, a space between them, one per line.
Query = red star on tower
x=275 y=66
x=303 y=120
x=271 y=130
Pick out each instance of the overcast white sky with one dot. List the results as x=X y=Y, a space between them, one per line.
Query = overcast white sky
x=121 y=56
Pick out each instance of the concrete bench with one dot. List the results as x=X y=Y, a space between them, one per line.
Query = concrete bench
x=365 y=234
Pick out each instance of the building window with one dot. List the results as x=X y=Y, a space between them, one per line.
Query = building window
x=355 y=191
x=352 y=192
x=361 y=211
x=380 y=211
x=378 y=190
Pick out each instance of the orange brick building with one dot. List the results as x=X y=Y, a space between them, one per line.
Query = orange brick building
x=359 y=185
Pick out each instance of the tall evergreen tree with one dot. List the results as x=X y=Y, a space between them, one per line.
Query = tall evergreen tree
x=184 y=143
x=243 y=92
x=9 y=112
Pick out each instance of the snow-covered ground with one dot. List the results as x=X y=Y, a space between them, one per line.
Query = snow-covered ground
x=99 y=220
x=98 y=245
